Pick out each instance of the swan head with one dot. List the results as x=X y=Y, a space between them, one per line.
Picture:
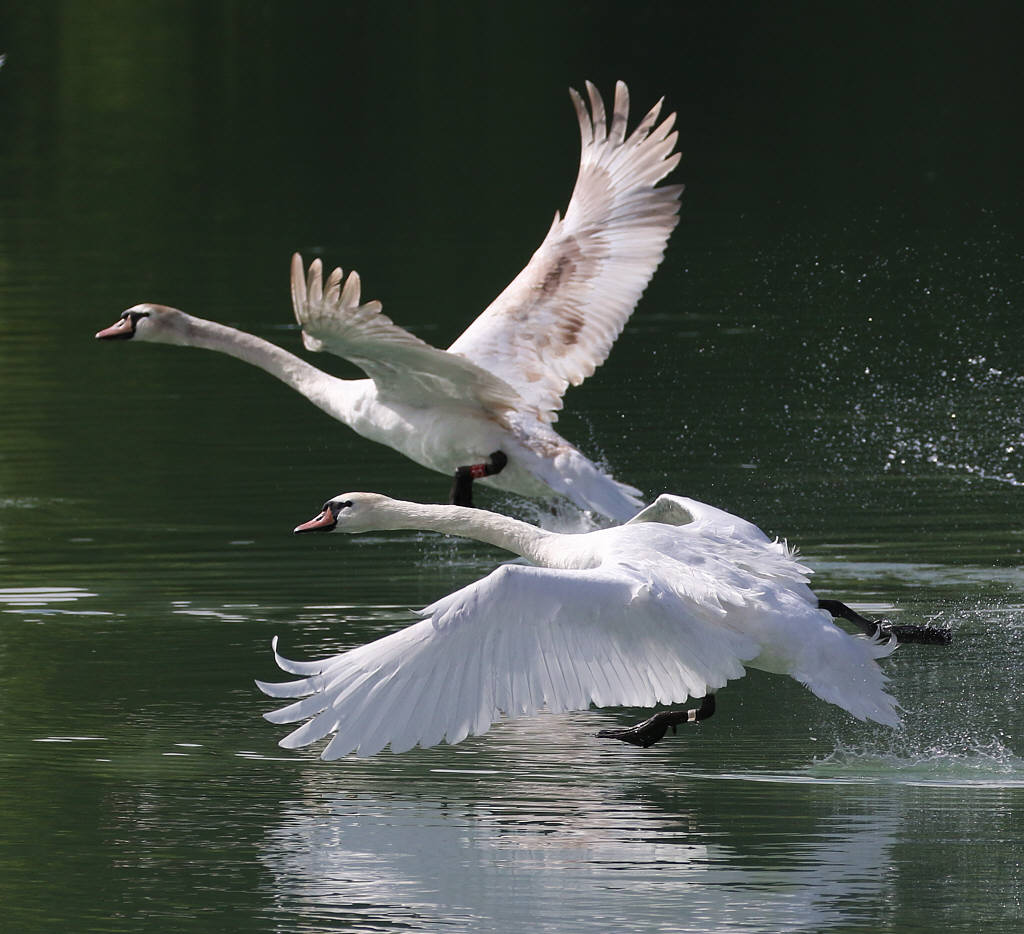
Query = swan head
x=351 y=512
x=147 y=322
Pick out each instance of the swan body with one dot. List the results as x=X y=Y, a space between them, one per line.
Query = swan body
x=499 y=386
x=673 y=604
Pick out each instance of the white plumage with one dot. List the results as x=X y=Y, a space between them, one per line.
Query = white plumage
x=674 y=604
x=500 y=385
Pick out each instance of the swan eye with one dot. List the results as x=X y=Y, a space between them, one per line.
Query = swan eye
x=334 y=508
x=131 y=318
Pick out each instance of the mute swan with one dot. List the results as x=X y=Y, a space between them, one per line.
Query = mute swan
x=483 y=409
x=671 y=605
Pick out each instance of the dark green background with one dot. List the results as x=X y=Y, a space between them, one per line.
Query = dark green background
x=831 y=349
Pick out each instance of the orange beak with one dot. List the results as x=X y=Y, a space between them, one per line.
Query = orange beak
x=122 y=329
x=322 y=523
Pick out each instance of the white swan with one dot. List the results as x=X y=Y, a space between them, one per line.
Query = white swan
x=672 y=604
x=483 y=408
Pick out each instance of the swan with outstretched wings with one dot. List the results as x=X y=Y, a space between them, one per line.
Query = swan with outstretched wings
x=483 y=409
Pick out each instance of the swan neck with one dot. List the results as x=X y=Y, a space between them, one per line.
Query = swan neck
x=521 y=538
x=326 y=391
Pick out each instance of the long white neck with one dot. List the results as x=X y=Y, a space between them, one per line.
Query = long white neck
x=521 y=538
x=335 y=396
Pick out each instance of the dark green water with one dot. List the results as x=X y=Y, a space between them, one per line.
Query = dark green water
x=831 y=349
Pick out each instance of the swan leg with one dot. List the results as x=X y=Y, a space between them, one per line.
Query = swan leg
x=654 y=728
x=462 y=483
x=927 y=635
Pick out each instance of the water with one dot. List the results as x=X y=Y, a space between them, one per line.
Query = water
x=830 y=349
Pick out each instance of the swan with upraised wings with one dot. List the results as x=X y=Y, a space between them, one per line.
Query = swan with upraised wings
x=483 y=408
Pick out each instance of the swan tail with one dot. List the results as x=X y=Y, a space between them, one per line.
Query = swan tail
x=843 y=669
x=579 y=479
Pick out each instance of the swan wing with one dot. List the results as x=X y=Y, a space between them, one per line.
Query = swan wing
x=667 y=509
x=557 y=320
x=404 y=367
x=521 y=640
x=670 y=509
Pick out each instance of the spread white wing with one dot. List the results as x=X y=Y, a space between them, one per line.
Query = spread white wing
x=521 y=640
x=557 y=320
x=404 y=367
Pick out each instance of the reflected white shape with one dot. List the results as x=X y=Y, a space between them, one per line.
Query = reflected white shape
x=41 y=596
x=507 y=854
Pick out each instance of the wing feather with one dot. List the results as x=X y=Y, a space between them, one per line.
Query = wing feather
x=404 y=367
x=405 y=738
x=556 y=321
x=432 y=726
x=521 y=640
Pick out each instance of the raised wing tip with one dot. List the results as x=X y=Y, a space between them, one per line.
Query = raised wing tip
x=333 y=285
x=350 y=293
x=298 y=284
x=586 y=129
x=620 y=113
x=315 y=281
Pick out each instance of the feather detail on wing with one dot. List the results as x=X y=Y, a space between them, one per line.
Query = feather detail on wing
x=521 y=640
x=837 y=667
x=670 y=509
x=557 y=320
x=841 y=669
x=728 y=539
x=404 y=367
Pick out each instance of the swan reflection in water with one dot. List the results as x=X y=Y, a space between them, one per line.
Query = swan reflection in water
x=526 y=833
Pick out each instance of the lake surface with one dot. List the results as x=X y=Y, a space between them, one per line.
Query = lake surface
x=831 y=349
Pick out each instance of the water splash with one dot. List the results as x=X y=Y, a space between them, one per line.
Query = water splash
x=966 y=417
x=561 y=516
x=970 y=419
x=958 y=761
x=912 y=354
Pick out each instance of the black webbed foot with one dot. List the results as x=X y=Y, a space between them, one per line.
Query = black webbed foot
x=925 y=635
x=462 y=483
x=654 y=728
